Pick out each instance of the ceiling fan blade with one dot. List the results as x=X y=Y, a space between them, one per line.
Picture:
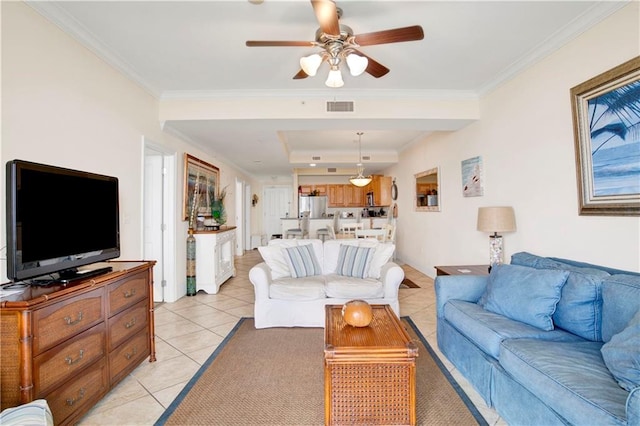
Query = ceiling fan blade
x=374 y=67
x=276 y=43
x=327 y=16
x=301 y=74
x=390 y=36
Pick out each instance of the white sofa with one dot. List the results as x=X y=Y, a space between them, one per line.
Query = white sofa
x=285 y=301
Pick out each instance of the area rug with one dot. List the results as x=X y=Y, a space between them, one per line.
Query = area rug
x=275 y=376
x=408 y=283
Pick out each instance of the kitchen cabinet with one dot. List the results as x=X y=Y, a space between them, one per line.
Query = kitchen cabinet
x=354 y=196
x=336 y=195
x=380 y=186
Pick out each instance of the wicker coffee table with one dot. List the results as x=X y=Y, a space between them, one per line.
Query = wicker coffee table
x=369 y=372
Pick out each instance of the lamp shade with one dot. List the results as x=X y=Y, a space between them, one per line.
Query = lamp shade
x=334 y=79
x=357 y=64
x=310 y=64
x=496 y=219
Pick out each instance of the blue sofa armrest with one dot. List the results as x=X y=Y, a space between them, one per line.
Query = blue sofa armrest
x=461 y=287
x=633 y=407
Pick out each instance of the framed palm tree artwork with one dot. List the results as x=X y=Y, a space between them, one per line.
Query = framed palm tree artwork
x=606 y=126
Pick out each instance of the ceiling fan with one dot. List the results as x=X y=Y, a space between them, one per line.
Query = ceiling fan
x=338 y=42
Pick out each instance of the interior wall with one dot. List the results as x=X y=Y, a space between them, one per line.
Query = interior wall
x=63 y=105
x=525 y=138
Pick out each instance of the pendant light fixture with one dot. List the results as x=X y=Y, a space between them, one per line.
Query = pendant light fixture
x=360 y=180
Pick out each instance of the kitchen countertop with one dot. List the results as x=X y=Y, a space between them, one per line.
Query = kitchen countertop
x=342 y=218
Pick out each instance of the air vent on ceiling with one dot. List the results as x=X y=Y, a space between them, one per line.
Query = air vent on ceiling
x=316 y=158
x=340 y=106
x=331 y=170
x=366 y=157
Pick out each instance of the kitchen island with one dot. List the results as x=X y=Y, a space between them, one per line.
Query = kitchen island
x=319 y=223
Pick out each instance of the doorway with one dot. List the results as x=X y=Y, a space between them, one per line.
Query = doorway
x=159 y=218
x=277 y=205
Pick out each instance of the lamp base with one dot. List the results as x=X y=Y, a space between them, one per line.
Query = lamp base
x=495 y=250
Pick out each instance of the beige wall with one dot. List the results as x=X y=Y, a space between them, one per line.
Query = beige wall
x=62 y=105
x=525 y=139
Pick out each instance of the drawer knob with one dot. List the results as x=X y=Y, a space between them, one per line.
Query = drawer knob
x=130 y=323
x=130 y=293
x=71 y=361
x=71 y=401
x=70 y=321
x=131 y=354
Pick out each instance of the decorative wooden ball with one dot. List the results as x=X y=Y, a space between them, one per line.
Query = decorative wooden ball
x=357 y=313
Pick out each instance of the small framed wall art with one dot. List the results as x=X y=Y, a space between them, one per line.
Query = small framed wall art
x=472 y=180
x=606 y=126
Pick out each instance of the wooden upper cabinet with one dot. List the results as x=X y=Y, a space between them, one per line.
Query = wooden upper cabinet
x=381 y=188
x=336 y=195
x=354 y=196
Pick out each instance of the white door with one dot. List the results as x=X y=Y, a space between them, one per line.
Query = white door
x=277 y=204
x=159 y=219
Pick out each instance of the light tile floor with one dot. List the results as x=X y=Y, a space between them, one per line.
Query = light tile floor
x=189 y=330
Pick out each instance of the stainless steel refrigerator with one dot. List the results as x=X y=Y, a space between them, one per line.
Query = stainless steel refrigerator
x=316 y=206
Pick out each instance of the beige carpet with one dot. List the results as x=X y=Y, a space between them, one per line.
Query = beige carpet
x=275 y=377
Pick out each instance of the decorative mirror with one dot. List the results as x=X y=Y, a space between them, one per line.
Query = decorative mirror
x=427 y=191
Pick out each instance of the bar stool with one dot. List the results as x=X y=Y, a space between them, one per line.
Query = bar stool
x=302 y=230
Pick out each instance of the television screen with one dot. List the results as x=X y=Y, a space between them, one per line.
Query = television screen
x=59 y=219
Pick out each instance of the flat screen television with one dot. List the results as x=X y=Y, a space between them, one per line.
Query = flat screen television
x=59 y=220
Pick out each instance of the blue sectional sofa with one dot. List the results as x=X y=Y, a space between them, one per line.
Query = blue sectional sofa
x=546 y=341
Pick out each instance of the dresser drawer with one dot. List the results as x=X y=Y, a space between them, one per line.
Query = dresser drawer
x=127 y=292
x=62 y=362
x=128 y=356
x=68 y=402
x=127 y=323
x=62 y=320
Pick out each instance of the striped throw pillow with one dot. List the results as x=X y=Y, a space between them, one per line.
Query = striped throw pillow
x=354 y=261
x=302 y=261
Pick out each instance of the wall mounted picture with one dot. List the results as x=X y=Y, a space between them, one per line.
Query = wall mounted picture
x=606 y=125
x=201 y=183
x=472 y=180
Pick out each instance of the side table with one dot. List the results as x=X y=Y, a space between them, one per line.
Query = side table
x=462 y=270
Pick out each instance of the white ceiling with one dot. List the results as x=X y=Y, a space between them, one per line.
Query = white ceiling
x=196 y=50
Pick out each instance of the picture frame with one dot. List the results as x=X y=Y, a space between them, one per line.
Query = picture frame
x=606 y=126
x=201 y=185
x=472 y=177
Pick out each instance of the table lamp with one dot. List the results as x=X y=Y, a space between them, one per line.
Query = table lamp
x=496 y=219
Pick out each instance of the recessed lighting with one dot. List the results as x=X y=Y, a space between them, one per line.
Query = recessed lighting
x=312 y=164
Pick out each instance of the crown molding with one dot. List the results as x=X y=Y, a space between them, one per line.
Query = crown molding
x=579 y=25
x=54 y=13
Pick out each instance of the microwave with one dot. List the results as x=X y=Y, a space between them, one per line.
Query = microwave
x=369 y=198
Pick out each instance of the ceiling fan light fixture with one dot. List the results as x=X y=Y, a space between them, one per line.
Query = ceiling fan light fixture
x=335 y=78
x=310 y=64
x=357 y=64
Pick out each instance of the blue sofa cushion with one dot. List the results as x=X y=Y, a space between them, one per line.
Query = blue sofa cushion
x=488 y=329
x=302 y=261
x=570 y=377
x=620 y=302
x=524 y=294
x=579 y=309
x=622 y=355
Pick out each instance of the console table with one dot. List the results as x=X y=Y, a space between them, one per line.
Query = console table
x=70 y=344
x=214 y=258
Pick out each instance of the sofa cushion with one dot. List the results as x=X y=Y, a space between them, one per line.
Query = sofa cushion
x=302 y=261
x=382 y=255
x=274 y=256
x=354 y=261
x=621 y=355
x=579 y=309
x=342 y=287
x=620 y=302
x=307 y=288
x=488 y=329
x=570 y=377
x=524 y=294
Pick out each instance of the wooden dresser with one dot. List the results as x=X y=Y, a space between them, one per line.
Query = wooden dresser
x=70 y=344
